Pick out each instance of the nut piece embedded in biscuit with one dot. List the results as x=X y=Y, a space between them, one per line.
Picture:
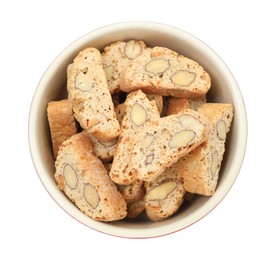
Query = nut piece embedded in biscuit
x=149 y=159
x=109 y=70
x=162 y=191
x=214 y=165
x=138 y=115
x=91 y=196
x=148 y=140
x=82 y=82
x=183 y=78
x=70 y=176
x=109 y=143
x=157 y=66
x=188 y=120
x=221 y=129
x=132 y=49
x=182 y=138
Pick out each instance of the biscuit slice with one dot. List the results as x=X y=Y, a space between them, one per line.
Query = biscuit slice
x=90 y=97
x=164 y=72
x=61 y=121
x=164 y=194
x=200 y=168
x=85 y=181
x=176 y=105
x=116 y=57
x=139 y=114
x=161 y=144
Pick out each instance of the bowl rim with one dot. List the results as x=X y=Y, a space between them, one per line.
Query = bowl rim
x=122 y=231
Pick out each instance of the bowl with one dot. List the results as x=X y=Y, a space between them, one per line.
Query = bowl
x=224 y=89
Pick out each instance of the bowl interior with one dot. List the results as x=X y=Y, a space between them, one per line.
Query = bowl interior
x=224 y=89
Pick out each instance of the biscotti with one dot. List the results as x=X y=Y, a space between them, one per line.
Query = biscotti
x=165 y=194
x=164 y=72
x=149 y=142
x=139 y=114
x=161 y=144
x=200 y=168
x=61 y=122
x=90 y=97
x=85 y=181
x=116 y=57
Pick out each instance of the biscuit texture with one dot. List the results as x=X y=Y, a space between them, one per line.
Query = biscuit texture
x=90 y=97
x=160 y=209
x=200 y=168
x=85 y=181
x=61 y=121
x=120 y=172
x=170 y=138
x=164 y=72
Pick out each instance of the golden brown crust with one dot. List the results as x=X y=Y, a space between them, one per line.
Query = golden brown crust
x=61 y=121
x=176 y=105
x=200 y=168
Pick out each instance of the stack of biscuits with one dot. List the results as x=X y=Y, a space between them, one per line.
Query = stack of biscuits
x=136 y=136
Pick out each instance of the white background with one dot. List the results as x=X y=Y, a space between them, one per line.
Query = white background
x=33 y=33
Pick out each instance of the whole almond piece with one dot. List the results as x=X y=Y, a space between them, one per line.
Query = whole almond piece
x=182 y=138
x=162 y=191
x=138 y=114
x=70 y=176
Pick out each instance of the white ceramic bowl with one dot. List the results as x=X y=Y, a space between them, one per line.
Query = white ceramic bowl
x=224 y=89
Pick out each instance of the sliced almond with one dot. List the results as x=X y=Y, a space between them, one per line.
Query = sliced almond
x=82 y=81
x=221 y=129
x=157 y=66
x=138 y=114
x=162 y=191
x=190 y=121
x=182 y=138
x=132 y=49
x=183 y=78
x=109 y=70
x=109 y=143
x=70 y=176
x=91 y=195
